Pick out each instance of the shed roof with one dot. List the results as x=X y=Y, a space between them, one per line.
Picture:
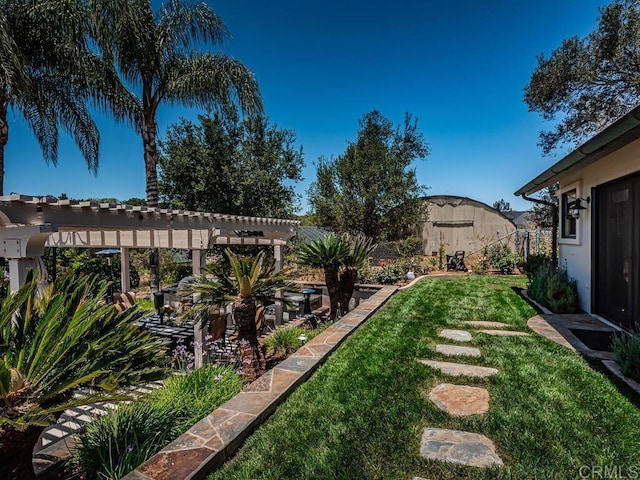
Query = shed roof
x=456 y=201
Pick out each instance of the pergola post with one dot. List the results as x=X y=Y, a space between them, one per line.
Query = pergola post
x=277 y=253
x=125 y=278
x=198 y=261
x=18 y=269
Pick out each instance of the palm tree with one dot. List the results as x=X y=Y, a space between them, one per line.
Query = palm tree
x=340 y=256
x=46 y=75
x=328 y=253
x=155 y=53
x=360 y=248
x=55 y=343
x=245 y=281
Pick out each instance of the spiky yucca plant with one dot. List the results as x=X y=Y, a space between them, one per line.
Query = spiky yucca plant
x=52 y=345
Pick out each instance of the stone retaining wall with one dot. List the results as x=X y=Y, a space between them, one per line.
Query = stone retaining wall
x=216 y=438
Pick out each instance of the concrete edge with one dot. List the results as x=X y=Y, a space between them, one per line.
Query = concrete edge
x=614 y=368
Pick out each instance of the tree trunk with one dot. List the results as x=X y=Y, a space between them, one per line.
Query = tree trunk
x=244 y=311
x=4 y=139
x=149 y=135
x=348 y=280
x=333 y=287
x=16 y=451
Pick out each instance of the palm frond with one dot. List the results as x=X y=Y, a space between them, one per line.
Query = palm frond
x=207 y=80
x=330 y=250
x=65 y=340
x=181 y=26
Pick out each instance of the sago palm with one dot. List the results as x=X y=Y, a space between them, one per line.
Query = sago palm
x=328 y=253
x=360 y=248
x=54 y=344
x=245 y=281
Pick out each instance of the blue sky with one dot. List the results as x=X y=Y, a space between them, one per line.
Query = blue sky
x=460 y=67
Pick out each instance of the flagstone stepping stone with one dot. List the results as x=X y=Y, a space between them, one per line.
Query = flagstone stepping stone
x=505 y=333
x=463 y=448
x=458 y=335
x=459 y=369
x=456 y=350
x=484 y=324
x=460 y=400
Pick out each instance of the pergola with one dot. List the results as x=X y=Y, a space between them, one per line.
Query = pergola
x=28 y=224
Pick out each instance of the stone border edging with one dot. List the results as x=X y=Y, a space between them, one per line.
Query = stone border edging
x=614 y=368
x=215 y=438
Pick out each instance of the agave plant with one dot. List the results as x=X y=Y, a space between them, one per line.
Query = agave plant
x=245 y=281
x=57 y=344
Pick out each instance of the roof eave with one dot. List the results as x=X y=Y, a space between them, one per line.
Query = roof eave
x=620 y=133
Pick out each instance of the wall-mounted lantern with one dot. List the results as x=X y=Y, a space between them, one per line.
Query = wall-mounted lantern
x=576 y=206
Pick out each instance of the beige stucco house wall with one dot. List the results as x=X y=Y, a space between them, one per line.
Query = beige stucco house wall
x=460 y=223
x=600 y=248
x=575 y=253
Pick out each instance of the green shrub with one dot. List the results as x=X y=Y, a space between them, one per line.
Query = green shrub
x=409 y=247
x=627 y=349
x=117 y=442
x=554 y=289
x=503 y=258
x=284 y=340
x=534 y=263
x=192 y=397
x=114 y=444
x=562 y=293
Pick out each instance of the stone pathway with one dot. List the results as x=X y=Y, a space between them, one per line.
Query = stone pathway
x=456 y=351
x=459 y=369
x=460 y=400
x=485 y=324
x=505 y=333
x=458 y=447
x=454 y=446
x=457 y=335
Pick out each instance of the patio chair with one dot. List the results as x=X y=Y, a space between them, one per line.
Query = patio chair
x=124 y=300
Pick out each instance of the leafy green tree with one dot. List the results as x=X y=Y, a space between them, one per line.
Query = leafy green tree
x=54 y=343
x=44 y=70
x=502 y=205
x=542 y=215
x=589 y=82
x=230 y=166
x=371 y=189
x=157 y=55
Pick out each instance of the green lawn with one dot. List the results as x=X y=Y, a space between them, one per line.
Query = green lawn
x=361 y=415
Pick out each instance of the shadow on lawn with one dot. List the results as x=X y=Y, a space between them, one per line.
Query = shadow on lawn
x=594 y=363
